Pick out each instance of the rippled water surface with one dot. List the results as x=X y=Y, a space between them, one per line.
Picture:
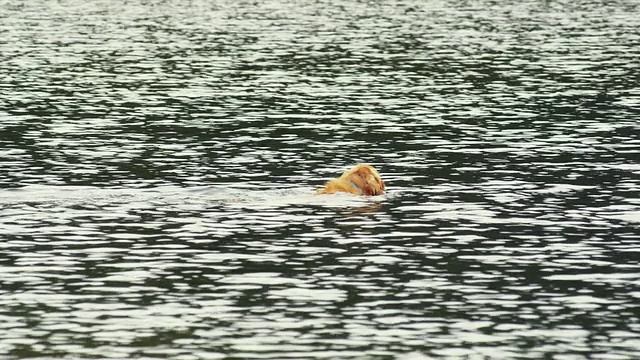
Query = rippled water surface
x=158 y=161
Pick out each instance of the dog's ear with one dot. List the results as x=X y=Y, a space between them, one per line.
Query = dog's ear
x=377 y=186
x=371 y=182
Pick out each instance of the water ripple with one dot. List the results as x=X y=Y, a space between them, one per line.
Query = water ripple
x=159 y=161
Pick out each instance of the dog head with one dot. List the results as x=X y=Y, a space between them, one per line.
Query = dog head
x=360 y=180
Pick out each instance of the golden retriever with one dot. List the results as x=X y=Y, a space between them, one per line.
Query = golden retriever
x=360 y=180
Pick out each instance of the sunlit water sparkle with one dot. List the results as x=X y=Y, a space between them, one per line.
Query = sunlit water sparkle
x=158 y=163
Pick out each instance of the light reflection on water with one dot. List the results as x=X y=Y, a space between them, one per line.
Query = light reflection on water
x=158 y=163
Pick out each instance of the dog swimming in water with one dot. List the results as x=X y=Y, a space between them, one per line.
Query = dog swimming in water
x=360 y=180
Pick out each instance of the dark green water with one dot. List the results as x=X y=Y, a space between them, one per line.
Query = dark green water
x=158 y=161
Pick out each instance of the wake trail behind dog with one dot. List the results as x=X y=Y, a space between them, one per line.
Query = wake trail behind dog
x=215 y=195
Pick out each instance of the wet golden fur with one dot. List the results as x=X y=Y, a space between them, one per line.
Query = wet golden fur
x=360 y=180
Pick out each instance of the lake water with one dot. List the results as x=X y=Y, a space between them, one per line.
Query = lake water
x=158 y=161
